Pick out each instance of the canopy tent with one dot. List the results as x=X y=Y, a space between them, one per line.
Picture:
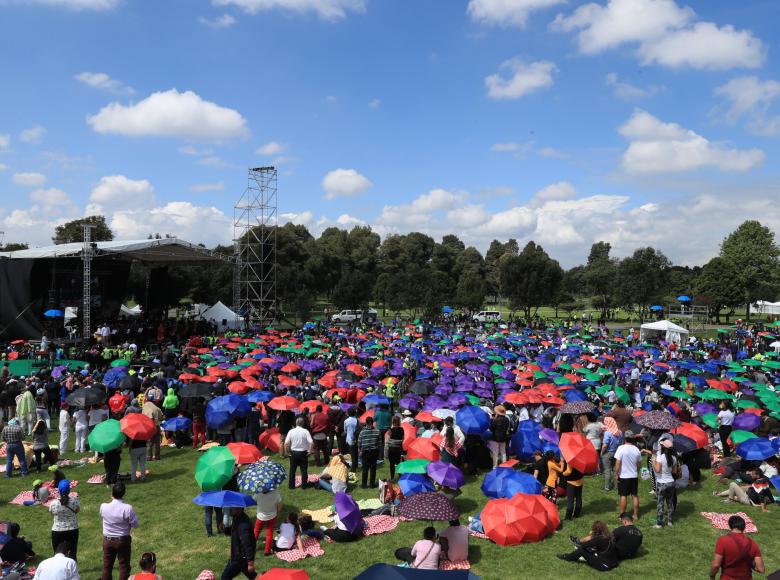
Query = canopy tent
x=764 y=307
x=131 y=312
x=665 y=328
x=223 y=316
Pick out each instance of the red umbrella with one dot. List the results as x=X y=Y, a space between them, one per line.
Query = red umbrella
x=523 y=518
x=312 y=406
x=410 y=434
x=579 y=452
x=517 y=398
x=288 y=381
x=245 y=453
x=423 y=448
x=426 y=417
x=290 y=368
x=271 y=440
x=239 y=388
x=284 y=403
x=693 y=432
x=357 y=369
x=137 y=426
x=285 y=574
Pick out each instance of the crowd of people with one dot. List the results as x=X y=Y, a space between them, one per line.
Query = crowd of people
x=350 y=400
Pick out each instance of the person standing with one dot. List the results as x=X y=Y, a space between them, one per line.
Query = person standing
x=736 y=555
x=609 y=445
x=65 y=527
x=350 y=436
x=320 y=425
x=81 y=419
x=395 y=445
x=627 y=461
x=63 y=423
x=269 y=506
x=368 y=447
x=382 y=418
x=298 y=444
x=665 y=464
x=242 y=547
x=12 y=436
x=725 y=425
x=153 y=412
x=119 y=519
x=500 y=427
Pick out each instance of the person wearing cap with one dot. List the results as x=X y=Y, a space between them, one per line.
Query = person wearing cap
x=627 y=461
x=666 y=465
x=65 y=527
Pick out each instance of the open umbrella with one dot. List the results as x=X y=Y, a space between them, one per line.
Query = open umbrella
x=262 y=476
x=683 y=444
x=445 y=474
x=270 y=439
x=693 y=432
x=54 y=313
x=195 y=390
x=223 y=499
x=413 y=466
x=472 y=420
x=659 y=420
x=746 y=421
x=215 y=468
x=432 y=506
x=391 y=572
x=244 y=453
x=756 y=449
x=349 y=512
x=506 y=482
x=86 y=397
x=284 y=403
x=414 y=483
x=284 y=574
x=710 y=419
x=138 y=427
x=523 y=518
x=222 y=409
x=423 y=448
x=106 y=436
x=579 y=452
x=577 y=408
x=177 y=424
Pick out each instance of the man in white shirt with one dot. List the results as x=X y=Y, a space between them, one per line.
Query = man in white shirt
x=298 y=443
x=627 y=461
x=58 y=567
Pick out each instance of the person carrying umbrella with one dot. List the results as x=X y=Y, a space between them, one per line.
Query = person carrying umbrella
x=242 y=546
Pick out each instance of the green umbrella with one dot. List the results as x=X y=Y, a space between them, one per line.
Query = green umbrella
x=738 y=436
x=772 y=364
x=710 y=419
x=622 y=395
x=215 y=468
x=539 y=374
x=497 y=369
x=679 y=395
x=106 y=436
x=413 y=466
x=565 y=366
x=120 y=362
x=714 y=395
x=473 y=399
x=751 y=363
x=746 y=404
x=561 y=381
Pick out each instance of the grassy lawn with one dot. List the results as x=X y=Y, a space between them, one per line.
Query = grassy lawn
x=173 y=527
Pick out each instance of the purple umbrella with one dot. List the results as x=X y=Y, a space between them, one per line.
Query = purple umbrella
x=746 y=421
x=445 y=474
x=456 y=400
x=442 y=390
x=433 y=402
x=409 y=403
x=705 y=408
x=348 y=512
x=312 y=365
x=549 y=435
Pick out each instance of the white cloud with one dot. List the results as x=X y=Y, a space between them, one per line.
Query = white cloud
x=203 y=187
x=506 y=12
x=213 y=161
x=50 y=197
x=33 y=135
x=347 y=221
x=627 y=91
x=705 y=46
x=201 y=224
x=117 y=192
x=5 y=141
x=344 y=183
x=271 y=148
x=224 y=21
x=555 y=191
x=418 y=212
x=501 y=147
x=170 y=114
x=3 y=167
x=467 y=216
x=29 y=179
x=523 y=79
x=374 y=104
x=330 y=10
x=103 y=82
x=304 y=218
x=665 y=33
x=552 y=153
x=658 y=147
x=195 y=151
x=78 y=5
x=751 y=98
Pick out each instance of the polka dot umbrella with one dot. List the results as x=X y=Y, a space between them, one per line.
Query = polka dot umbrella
x=261 y=477
x=431 y=506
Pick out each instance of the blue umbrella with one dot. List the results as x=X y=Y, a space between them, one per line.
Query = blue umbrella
x=526 y=440
x=756 y=449
x=375 y=399
x=472 y=420
x=684 y=298
x=259 y=396
x=261 y=477
x=221 y=410
x=506 y=482
x=390 y=572
x=53 y=313
x=113 y=376
x=447 y=310
x=656 y=308
x=223 y=499
x=177 y=424
x=414 y=483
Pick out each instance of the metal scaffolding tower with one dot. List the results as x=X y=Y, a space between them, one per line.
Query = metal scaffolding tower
x=87 y=252
x=254 y=239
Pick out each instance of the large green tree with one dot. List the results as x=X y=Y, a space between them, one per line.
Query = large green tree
x=715 y=287
x=641 y=279
x=599 y=276
x=530 y=279
x=73 y=231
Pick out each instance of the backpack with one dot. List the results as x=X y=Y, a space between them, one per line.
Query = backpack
x=676 y=470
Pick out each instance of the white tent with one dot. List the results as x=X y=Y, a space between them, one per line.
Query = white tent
x=223 y=316
x=669 y=330
x=763 y=307
x=132 y=312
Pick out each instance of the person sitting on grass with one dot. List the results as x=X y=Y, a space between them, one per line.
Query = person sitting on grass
x=148 y=565
x=340 y=533
x=623 y=544
x=334 y=477
x=289 y=534
x=40 y=494
x=16 y=550
x=425 y=553
x=755 y=494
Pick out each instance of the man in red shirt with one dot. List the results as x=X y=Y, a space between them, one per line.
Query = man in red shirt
x=320 y=425
x=736 y=555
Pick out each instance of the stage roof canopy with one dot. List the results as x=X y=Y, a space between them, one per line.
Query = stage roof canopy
x=164 y=250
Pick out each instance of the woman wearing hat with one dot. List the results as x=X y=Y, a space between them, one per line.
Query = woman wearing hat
x=65 y=526
x=666 y=466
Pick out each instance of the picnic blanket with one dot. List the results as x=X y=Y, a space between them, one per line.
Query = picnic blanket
x=369 y=504
x=721 y=521
x=323 y=516
x=311 y=548
x=28 y=496
x=311 y=479
x=2 y=450
x=474 y=534
x=457 y=565
x=101 y=477
x=379 y=525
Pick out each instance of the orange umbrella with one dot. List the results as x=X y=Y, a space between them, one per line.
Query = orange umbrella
x=523 y=518
x=284 y=403
x=423 y=448
x=290 y=368
x=357 y=369
x=239 y=388
x=271 y=440
x=245 y=453
x=426 y=417
x=517 y=398
x=579 y=452
x=312 y=406
x=410 y=434
x=137 y=426
x=693 y=432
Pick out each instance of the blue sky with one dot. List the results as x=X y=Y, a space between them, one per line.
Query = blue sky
x=641 y=122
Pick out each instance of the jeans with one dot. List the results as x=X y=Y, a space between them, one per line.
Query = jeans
x=369 y=457
x=607 y=463
x=70 y=536
x=15 y=450
x=573 y=501
x=208 y=513
x=43 y=414
x=324 y=484
x=320 y=447
x=236 y=567
x=137 y=458
x=113 y=549
x=269 y=526
x=393 y=458
x=665 y=494
x=299 y=459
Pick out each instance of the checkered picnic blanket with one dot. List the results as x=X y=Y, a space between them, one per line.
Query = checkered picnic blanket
x=721 y=521
x=379 y=525
x=478 y=535
x=311 y=548
x=311 y=479
x=457 y=565
x=28 y=496
x=2 y=450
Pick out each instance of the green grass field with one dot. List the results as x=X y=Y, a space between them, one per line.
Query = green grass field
x=173 y=527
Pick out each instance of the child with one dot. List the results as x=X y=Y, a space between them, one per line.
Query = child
x=40 y=494
x=289 y=534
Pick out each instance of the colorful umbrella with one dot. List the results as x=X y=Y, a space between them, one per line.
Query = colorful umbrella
x=138 y=427
x=423 y=448
x=658 y=420
x=445 y=474
x=284 y=403
x=746 y=421
x=413 y=466
x=756 y=449
x=285 y=574
x=523 y=518
x=270 y=439
x=177 y=424
x=738 y=436
x=710 y=419
x=431 y=506
x=472 y=420
x=262 y=476
x=223 y=499
x=577 y=408
x=215 y=468
x=693 y=432
x=506 y=482
x=349 y=512
x=244 y=453
x=414 y=483
x=579 y=452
